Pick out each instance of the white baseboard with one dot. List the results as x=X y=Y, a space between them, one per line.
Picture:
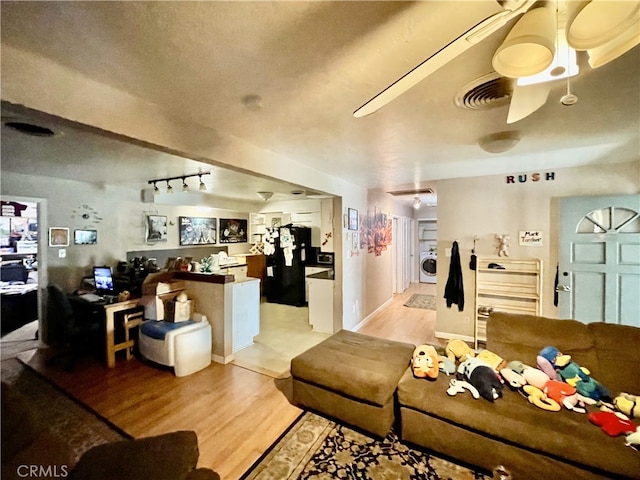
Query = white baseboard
x=449 y=336
x=368 y=317
x=222 y=360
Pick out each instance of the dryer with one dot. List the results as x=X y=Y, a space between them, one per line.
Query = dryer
x=428 y=267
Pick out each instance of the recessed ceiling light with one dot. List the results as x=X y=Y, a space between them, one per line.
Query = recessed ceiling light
x=30 y=129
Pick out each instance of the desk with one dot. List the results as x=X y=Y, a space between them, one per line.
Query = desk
x=110 y=310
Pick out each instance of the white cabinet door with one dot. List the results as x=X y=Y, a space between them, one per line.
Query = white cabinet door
x=245 y=319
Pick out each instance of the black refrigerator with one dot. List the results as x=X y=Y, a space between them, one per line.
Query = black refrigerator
x=285 y=281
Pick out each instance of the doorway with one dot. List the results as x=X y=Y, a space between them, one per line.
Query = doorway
x=599 y=259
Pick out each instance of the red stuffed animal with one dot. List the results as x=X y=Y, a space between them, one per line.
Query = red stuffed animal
x=612 y=424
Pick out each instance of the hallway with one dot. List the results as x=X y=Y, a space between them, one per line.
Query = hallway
x=285 y=331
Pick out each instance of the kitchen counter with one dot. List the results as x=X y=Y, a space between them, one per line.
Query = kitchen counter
x=324 y=275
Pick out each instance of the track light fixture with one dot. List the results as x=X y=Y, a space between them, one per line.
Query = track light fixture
x=185 y=186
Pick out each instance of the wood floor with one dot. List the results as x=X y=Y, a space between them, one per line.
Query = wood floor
x=236 y=413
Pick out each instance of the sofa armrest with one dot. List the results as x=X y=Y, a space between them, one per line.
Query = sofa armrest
x=202 y=474
x=163 y=457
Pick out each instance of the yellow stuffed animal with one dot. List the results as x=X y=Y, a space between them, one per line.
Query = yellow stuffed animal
x=628 y=404
x=457 y=349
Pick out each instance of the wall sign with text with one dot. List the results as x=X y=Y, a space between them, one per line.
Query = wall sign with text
x=530 y=177
x=530 y=238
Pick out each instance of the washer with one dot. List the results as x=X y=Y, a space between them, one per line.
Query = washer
x=428 y=267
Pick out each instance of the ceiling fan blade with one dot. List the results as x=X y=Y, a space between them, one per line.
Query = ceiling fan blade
x=527 y=99
x=441 y=58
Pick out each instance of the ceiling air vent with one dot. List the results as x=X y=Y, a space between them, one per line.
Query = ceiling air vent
x=488 y=91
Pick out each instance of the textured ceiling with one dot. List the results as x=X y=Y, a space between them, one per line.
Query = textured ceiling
x=312 y=64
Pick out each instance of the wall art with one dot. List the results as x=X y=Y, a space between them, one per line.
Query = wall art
x=85 y=237
x=197 y=230
x=156 y=228
x=58 y=237
x=233 y=230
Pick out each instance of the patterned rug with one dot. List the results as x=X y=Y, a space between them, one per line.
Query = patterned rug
x=317 y=448
x=419 y=300
x=67 y=420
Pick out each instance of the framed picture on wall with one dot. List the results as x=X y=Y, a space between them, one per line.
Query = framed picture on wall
x=85 y=237
x=353 y=219
x=156 y=228
x=58 y=237
x=233 y=230
x=197 y=230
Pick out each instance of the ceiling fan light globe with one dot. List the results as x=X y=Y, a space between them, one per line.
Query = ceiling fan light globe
x=529 y=47
x=499 y=142
x=596 y=23
x=617 y=47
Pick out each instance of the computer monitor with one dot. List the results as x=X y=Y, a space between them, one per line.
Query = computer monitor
x=103 y=278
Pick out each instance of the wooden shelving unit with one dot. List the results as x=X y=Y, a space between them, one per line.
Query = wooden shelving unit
x=515 y=289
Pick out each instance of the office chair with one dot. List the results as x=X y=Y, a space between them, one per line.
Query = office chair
x=76 y=331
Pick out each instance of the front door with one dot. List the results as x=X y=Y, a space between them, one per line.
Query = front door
x=599 y=260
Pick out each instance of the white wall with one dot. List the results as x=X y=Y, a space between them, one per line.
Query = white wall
x=486 y=206
x=73 y=96
x=121 y=229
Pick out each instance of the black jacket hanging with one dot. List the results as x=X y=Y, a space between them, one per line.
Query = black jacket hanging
x=454 y=291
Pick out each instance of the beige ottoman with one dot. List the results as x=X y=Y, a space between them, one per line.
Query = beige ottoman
x=352 y=378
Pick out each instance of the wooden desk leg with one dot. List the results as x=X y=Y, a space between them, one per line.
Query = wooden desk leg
x=110 y=338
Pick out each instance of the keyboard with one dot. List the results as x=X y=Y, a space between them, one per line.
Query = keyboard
x=91 y=297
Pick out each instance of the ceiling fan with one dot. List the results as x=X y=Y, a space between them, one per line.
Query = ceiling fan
x=541 y=47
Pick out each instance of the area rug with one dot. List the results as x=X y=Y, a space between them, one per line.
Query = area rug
x=68 y=421
x=419 y=300
x=318 y=448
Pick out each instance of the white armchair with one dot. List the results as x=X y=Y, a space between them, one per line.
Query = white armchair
x=185 y=346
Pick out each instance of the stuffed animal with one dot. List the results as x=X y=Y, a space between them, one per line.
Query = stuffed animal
x=575 y=375
x=627 y=404
x=493 y=360
x=541 y=391
x=482 y=377
x=565 y=395
x=459 y=386
x=540 y=398
x=633 y=440
x=446 y=366
x=425 y=362
x=457 y=349
x=613 y=424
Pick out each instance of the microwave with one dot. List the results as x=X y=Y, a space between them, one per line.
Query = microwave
x=324 y=258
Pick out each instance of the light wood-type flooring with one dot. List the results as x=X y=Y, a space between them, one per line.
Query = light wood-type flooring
x=236 y=413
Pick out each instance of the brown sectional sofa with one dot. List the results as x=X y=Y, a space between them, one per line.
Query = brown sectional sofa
x=353 y=378
x=530 y=442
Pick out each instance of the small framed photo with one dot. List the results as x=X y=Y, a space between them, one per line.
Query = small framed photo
x=156 y=230
x=58 y=237
x=85 y=237
x=353 y=219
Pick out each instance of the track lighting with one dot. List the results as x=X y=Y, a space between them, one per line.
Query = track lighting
x=185 y=186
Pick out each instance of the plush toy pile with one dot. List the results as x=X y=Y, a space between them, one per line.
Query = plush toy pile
x=554 y=383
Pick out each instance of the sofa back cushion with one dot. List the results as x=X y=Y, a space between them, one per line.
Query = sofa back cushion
x=521 y=337
x=619 y=366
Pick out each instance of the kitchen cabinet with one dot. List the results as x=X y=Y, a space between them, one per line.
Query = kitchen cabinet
x=514 y=288
x=311 y=271
x=321 y=302
x=257 y=227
